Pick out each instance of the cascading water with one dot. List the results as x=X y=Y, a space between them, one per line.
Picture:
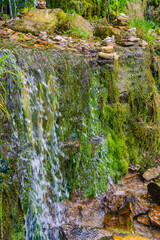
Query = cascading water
x=38 y=111
x=67 y=135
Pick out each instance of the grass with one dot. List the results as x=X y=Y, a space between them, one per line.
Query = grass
x=3 y=93
x=143 y=26
x=77 y=32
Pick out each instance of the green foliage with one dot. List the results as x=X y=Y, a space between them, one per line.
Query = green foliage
x=77 y=32
x=3 y=93
x=154 y=2
x=143 y=26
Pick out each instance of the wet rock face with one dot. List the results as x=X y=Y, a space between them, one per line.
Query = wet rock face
x=123 y=219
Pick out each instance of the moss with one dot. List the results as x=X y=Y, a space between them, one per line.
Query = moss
x=105 y=119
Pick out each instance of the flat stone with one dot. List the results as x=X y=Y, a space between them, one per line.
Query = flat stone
x=130 y=237
x=107 y=49
x=144 y=219
x=154 y=216
x=143 y=44
x=108 y=41
x=108 y=56
x=126 y=44
x=151 y=173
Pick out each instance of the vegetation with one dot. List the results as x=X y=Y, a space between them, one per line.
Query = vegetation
x=145 y=29
x=3 y=93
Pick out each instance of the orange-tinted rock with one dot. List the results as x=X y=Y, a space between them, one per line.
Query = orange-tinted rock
x=154 y=216
x=131 y=237
x=144 y=219
x=107 y=49
x=121 y=220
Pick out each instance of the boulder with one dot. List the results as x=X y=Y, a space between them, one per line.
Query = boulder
x=154 y=216
x=82 y=24
x=154 y=191
x=151 y=173
x=36 y=21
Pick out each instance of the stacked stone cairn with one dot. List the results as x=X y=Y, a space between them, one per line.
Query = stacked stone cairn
x=121 y=20
x=41 y=4
x=130 y=38
x=107 y=48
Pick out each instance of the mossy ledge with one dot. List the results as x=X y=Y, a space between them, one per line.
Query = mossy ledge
x=109 y=118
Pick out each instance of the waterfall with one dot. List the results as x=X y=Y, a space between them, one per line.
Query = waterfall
x=38 y=165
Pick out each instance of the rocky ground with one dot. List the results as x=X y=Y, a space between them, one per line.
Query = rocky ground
x=125 y=211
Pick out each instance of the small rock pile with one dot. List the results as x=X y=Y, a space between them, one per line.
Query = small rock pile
x=41 y=4
x=130 y=38
x=121 y=20
x=107 y=49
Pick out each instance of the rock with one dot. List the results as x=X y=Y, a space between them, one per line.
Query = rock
x=108 y=56
x=109 y=41
x=151 y=173
x=126 y=44
x=76 y=232
x=143 y=44
x=122 y=20
x=120 y=198
x=121 y=220
x=107 y=31
x=156 y=233
x=41 y=4
x=144 y=219
x=43 y=36
x=132 y=31
x=108 y=49
x=130 y=38
x=135 y=168
x=131 y=237
x=154 y=191
x=83 y=24
x=154 y=216
x=36 y=21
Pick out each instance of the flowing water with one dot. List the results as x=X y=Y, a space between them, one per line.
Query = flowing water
x=40 y=101
x=67 y=135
